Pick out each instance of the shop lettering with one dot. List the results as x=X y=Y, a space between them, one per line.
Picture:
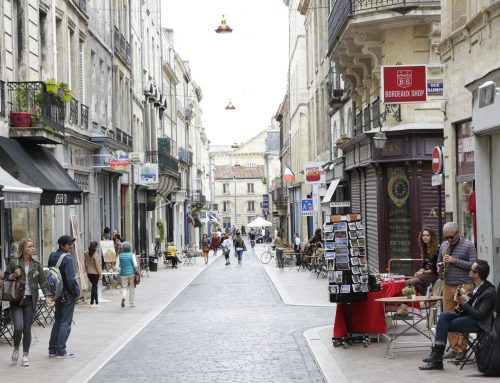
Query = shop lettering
x=61 y=199
x=404 y=93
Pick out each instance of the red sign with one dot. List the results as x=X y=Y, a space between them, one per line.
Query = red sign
x=437 y=160
x=404 y=83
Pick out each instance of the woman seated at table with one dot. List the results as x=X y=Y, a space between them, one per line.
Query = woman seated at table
x=171 y=255
x=427 y=274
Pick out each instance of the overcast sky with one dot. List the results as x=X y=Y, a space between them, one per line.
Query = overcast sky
x=248 y=66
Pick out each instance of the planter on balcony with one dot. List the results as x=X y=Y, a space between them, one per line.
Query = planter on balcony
x=67 y=97
x=20 y=119
x=51 y=86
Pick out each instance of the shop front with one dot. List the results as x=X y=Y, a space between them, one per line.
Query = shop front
x=35 y=166
x=391 y=189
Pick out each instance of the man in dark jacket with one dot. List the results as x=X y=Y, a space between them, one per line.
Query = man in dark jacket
x=65 y=305
x=474 y=314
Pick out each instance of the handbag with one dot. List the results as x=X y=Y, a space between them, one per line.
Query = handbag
x=11 y=291
x=137 y=278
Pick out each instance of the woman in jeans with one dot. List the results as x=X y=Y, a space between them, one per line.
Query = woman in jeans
x=128 y=265
x=239 y=247
x=278 y=243
x=94 y=272
x=29 y=272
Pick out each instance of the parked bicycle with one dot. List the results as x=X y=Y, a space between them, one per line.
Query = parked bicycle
x=268 y=254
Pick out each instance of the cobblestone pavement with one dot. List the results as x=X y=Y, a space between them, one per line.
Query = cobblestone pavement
x=228 y=325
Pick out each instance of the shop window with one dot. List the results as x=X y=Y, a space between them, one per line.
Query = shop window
x=23 y=224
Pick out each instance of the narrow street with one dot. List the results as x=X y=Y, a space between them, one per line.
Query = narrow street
x=228 y=325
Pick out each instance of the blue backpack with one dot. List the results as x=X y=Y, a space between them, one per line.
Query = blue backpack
x=54 y=278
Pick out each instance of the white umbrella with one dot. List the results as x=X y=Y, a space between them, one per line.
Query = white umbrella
x=259 y=222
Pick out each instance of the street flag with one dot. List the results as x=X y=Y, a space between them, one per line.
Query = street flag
x=288 y=174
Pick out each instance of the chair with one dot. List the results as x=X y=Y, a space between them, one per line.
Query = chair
x=6 y=325
x=473 y=343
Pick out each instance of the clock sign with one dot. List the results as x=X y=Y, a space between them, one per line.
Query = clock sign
x=398 y=189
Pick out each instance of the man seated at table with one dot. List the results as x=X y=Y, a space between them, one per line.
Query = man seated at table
x=172 y=255
x=472 y=314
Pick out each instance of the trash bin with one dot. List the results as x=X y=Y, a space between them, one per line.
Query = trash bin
x=153 y=263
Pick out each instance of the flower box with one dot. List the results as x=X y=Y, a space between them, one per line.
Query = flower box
x=20 y=119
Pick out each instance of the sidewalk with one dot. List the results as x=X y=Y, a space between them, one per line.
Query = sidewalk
x=99 y=333
x=357 y=363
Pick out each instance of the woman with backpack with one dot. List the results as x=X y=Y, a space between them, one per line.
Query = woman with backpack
x=29 y=272
x=94 y=271
x=127 y=264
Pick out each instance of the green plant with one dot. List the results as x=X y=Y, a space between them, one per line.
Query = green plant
x=161 y=229
x=408 y=291
x=51 y=85
x=264 y=180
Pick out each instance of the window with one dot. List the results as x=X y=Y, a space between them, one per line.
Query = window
x=215 y=206
x=251 y=206
x=225 y=188
x=226 y=222
x=250 y=189
x=226 y=207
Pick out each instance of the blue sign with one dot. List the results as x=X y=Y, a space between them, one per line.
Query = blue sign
x=435 y=87
x=265 y=201
x=307 y=206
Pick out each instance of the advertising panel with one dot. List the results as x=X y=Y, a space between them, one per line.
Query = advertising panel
x=404 y=83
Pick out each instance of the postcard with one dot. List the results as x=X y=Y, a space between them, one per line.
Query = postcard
x=352 y=225
x=338 y=276
x=327 y=228
x=342 y=250
x=329 y=253
x=355 y=269
x=364 y=279
x=340 y=234
x=356 y=288
x=329 y=245
x=328 y=237
x=360 y=233
x=345 y=289
x=362 y=261
x=355 y=261
x=354 y=252
x=341 y=242
x=364 y=270
x=330 y=264
x=359 y=225
x=364 y=287
x=362 y=252
x=355 y=278
x=342 y=265
x=331 y=277
x=334 y=289
x=353 y=243
x=353 y=235
x=361 y=242
x=340 y=226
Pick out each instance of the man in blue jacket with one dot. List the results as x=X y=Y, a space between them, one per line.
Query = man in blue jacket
x=65 y=305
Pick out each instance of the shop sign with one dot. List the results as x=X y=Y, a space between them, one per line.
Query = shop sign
x=465 y=149
x=119 y=160
x=314 y=173
x=404 y=83
x=437 y=179
x=307 y=206
x=148 y=174
x=136 y=158
x=340 y=204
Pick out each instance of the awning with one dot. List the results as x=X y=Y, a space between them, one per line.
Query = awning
x=34 y=165
x=17 y=194
x=331 y=189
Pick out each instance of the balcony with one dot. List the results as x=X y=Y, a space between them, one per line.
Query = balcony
x=123 y=138
x=280 y=197
x=84 y=112
x=43 y=113
x=197 y=198
x=122 y=46
x=82 y=4
x=186 y=156
x=343 y=9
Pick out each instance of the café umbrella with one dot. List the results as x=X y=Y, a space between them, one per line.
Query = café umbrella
x=259 y=222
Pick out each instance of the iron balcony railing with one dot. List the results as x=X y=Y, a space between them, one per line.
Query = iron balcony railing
x=197 y=197
x=73 y=111
x=2 y=98
x=123 y=138
x=46 y=109
x=122 y=45
x=279 y=196
x=186 y=156
x=84 y=110
x=376 y=113
x=166 y=163
x=82 y=4
x=342 y=9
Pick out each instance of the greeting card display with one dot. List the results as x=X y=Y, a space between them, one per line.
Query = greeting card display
x=346 y=259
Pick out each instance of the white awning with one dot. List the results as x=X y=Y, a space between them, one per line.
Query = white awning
x=17 y=194
x=330 y=191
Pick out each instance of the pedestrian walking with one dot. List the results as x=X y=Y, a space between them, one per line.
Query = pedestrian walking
x=30 y=273
x=239 y=247
x=278 y=243
x=65 y=304
x=226 y=248
x=94 y=271
x=214 y=243
x=118 y=243
x=128 y=266
x=106 y=234
x=205 y=246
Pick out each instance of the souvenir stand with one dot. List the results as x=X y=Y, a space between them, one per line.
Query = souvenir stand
x=347 y=267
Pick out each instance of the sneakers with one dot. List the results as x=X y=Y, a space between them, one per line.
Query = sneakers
x=25 y=362
x=96 y=306
x=66 y=356
x=52 y=355
x=132 y=305
x=123 y=303
x=15 y=356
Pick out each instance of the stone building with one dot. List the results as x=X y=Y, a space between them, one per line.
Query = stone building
x=470 y=55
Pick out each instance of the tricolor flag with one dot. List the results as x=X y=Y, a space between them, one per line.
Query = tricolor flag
x=288 y=174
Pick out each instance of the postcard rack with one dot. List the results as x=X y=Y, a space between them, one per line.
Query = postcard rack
x=347 y=267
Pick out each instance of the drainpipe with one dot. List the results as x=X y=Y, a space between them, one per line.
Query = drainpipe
x=54 y=37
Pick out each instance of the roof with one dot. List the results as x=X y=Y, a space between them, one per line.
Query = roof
x=222 y=172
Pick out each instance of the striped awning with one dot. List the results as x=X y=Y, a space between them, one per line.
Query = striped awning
x=18 y=195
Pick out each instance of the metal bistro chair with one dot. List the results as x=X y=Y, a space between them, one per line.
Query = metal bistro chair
x=6 y=325
x=469 y=356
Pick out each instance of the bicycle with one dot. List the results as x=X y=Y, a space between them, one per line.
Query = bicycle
x=268 y=254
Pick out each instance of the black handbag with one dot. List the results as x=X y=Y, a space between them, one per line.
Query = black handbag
x=11 y=291
x=137 y=278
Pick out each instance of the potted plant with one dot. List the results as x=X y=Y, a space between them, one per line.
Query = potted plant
x=161 y=230
x=67 y=97
x=408 y=291
x=51 y=86
x=62 y=86
x=21 y=117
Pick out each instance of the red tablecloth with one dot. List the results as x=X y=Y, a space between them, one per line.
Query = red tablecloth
x=367 y=316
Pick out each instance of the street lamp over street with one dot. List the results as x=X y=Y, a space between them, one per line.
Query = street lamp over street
x=223 y=27
x=230 y=106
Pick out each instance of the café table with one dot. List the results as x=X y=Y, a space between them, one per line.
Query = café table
x=415 y=317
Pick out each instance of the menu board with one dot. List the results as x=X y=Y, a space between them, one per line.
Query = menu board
x=345 y=257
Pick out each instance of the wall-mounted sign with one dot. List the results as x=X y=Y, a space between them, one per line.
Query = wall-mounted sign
x=404 y=83
x=307 y=206
x=435 y=87
x=148 y=174
x=136 y=158
x=340 y=204
x=314 y=173
x=119 y=160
